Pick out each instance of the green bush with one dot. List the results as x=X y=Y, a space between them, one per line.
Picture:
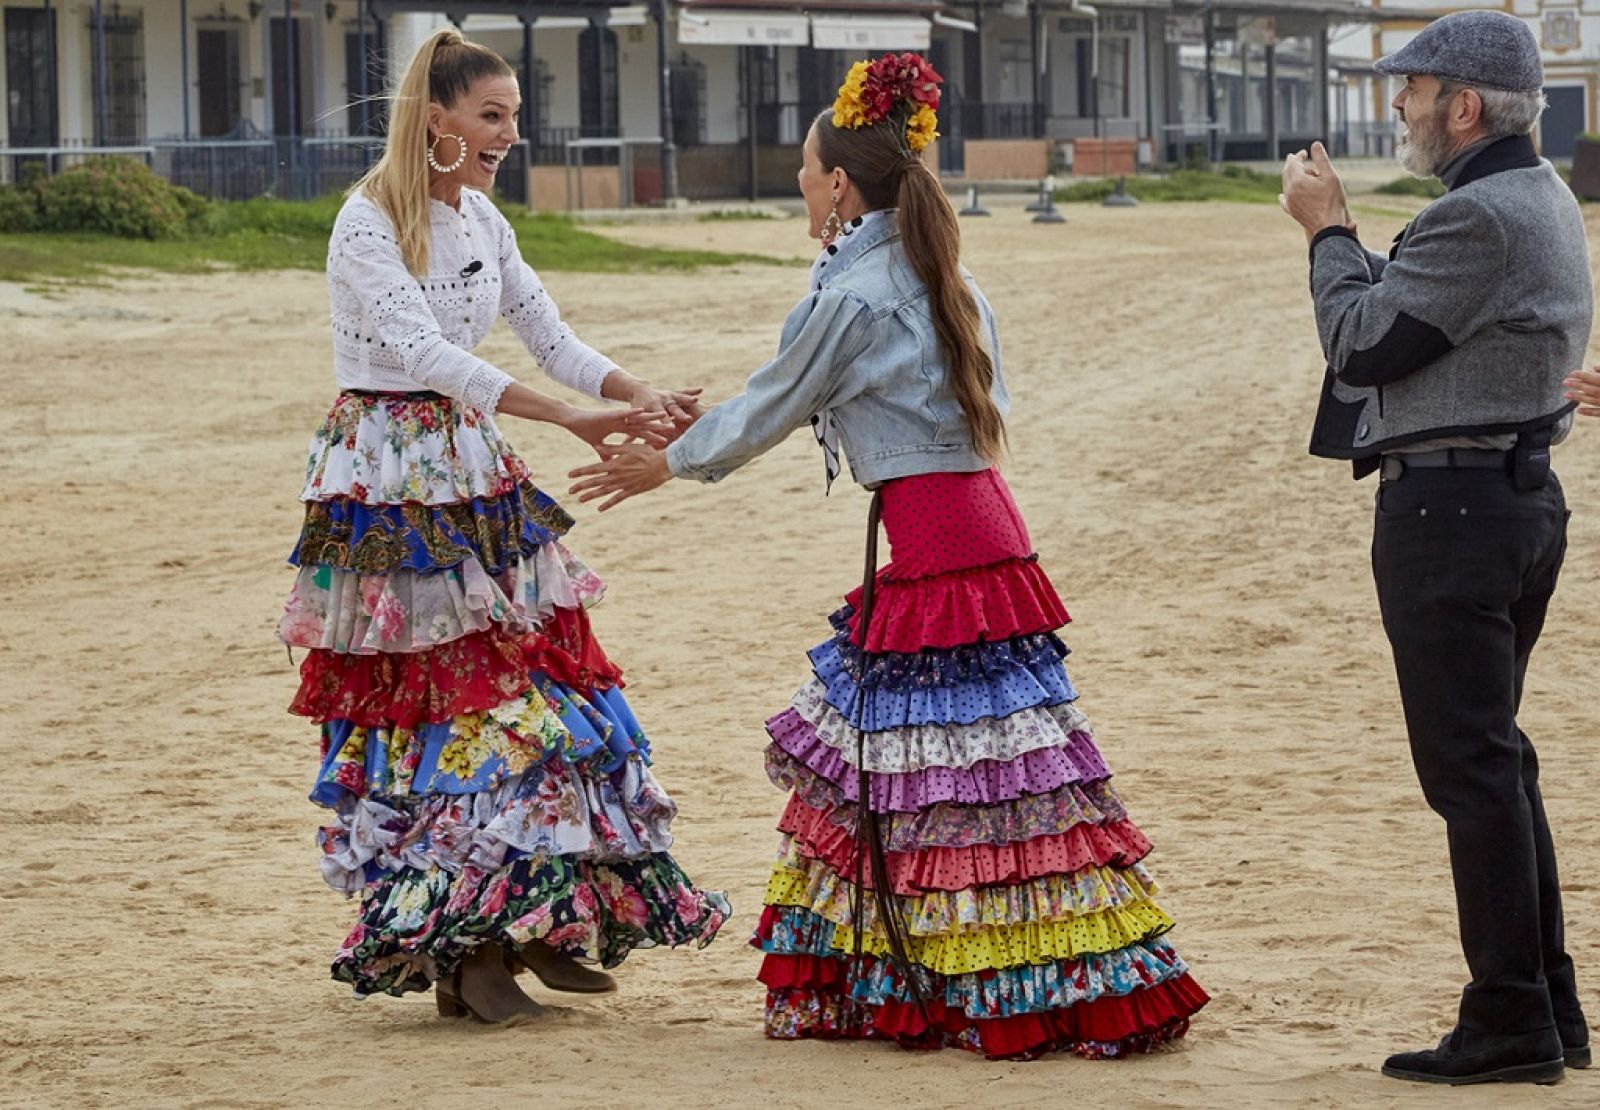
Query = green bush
x=1409 y=186
x=311 y=219
x=1238 y=184
x=19 y=209
x=117 y=196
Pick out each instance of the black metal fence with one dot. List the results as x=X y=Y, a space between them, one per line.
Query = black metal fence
x=245 y=167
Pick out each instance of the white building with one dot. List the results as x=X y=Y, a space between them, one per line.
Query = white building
x=1568 y=32
x=292 y=86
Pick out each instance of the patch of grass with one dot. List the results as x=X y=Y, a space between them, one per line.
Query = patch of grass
x=1409 y=186
x=555 y=243
x=1237 y=184
x=267 y=234
x=725 y=214
x=1379 y=210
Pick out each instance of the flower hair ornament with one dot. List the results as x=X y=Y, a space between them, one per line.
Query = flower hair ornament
x=902 y=89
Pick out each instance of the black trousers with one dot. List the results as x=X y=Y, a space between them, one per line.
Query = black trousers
x=1465 y=565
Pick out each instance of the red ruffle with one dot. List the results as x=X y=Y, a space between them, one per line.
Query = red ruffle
x=995 y=602
x=565 y=649
x=469 y=675
x=1108 y=1025
x=1112 y=844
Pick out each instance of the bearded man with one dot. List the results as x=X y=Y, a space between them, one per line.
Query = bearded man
x=1445 y=369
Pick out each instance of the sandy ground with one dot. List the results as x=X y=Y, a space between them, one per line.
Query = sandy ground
x=167 y=934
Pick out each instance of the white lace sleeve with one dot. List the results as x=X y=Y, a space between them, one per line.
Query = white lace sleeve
x=397 y=310
x=526 y=306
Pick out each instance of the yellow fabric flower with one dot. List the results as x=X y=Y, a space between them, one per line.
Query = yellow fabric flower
x=848 y=109
x=920 y=131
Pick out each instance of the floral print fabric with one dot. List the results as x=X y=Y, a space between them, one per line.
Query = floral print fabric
x=367 y=614
x=485 y=777
x=392 y=450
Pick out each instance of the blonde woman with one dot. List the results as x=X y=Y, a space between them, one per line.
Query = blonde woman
x=489 y=790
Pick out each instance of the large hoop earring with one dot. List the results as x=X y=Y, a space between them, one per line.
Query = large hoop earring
x=832 y=225
x=461 y=157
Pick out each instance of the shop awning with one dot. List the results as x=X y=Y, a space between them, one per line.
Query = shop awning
x=743 y=28
x=870 y=32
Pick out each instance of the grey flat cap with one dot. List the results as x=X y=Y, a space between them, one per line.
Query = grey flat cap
x=1492 y=49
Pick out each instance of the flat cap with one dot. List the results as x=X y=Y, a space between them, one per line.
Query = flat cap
x=1491 y=49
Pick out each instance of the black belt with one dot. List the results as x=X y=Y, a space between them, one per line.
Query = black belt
x=396 y=394
x=1445 y=458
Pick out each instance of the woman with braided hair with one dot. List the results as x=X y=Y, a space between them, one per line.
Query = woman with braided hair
x=955 y=868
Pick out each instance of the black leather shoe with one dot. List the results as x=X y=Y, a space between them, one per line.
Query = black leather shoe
x=1464 y=1057
x=1574 y=1032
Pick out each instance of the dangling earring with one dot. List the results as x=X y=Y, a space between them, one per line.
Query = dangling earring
x=433 y=159
x=832 y=225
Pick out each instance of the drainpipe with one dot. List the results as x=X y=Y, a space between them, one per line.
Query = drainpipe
x=363 y=82
x=669 y=148
x=102 y=85
x=1094 y=65
x=183 y=51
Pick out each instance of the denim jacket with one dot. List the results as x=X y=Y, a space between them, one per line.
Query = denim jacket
x=862 y=346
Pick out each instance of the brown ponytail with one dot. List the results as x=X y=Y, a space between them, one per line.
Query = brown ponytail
x=888 y=176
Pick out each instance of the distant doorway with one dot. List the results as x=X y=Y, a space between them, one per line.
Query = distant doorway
x=220 y=79
x=31 y=100
x=599 y=83
x=291 y=54
x=1562 y=121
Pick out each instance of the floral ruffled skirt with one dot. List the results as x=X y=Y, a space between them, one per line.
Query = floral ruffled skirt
x=1024 y=908
x=484 y=776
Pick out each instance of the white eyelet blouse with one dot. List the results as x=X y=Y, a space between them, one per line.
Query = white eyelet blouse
x=395 y=333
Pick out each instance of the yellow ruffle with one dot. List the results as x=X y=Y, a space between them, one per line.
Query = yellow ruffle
x=520 y=733
x=811 y=884
x=1017 y=945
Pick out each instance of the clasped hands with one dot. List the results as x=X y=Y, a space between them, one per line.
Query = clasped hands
x=1313 y=195
x=636 y=462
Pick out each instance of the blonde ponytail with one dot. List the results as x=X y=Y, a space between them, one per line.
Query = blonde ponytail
x=443 y=68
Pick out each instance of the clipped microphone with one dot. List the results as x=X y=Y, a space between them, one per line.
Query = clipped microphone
x=471 y=268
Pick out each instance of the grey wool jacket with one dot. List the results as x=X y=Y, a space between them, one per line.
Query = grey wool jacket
x=1468 y=327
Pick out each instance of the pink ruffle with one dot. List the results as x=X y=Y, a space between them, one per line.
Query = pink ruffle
x=1112 y=844
x=794 y=740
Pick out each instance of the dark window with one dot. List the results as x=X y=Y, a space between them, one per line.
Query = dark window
x=290 y=55
x=219 y=78
x=598 y=82
x=688 y=102
x=31 y=76
x=761 y=92
x=1562 y=121
x=366 y=111
x=123 y=81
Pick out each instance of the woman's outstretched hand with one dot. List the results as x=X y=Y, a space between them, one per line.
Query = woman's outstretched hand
x=681 y=406
x=625 y=469
x=594 y=426
x=1583 y=386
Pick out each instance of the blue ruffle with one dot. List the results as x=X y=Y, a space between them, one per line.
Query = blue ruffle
x=895 y=670
x=600 y=725
x=994 y=992
x=1000 y=692
x=382 y=539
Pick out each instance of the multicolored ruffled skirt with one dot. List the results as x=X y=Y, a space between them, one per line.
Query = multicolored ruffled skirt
x=485 y=778
x=1024 y=908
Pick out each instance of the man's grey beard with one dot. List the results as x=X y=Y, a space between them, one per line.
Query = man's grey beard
x=1425 y=151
